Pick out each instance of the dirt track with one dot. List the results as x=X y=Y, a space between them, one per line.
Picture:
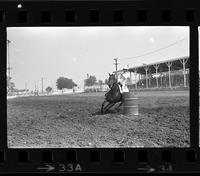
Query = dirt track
x=75 y=121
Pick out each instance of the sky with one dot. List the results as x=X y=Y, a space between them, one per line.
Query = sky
x=72 y=52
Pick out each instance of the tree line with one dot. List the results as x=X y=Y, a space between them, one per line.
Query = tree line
x=91 y=80
x=67 y=83
x=63 y=82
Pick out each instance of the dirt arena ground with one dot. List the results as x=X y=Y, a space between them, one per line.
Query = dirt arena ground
x=64 y=121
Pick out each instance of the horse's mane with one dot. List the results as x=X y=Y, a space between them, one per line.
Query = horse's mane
x=114 y=91
x=116 y=84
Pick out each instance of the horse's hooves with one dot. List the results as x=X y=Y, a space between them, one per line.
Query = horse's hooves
x=117 y=109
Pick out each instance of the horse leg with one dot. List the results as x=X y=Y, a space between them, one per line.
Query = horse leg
x=117 y=108
x=102 y=107
x=110 y=105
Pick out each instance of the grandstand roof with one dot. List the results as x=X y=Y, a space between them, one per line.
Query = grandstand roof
x=176 y=65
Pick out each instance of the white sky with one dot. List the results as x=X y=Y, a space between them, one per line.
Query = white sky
x=73 y=52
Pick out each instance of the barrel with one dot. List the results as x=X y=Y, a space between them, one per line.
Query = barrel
x=130 y=104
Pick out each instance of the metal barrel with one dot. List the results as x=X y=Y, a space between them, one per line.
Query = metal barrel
x=130 y=104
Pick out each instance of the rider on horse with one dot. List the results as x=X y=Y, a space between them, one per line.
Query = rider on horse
x=122 y=80
x=117 y=85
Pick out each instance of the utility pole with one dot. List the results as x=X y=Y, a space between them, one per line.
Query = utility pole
x=26 y=87
x=8 y=68
x=116 y=64
x=35 y=90
x=42 y=84
x=146 y=70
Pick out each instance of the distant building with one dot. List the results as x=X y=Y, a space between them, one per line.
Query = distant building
x=96 y=88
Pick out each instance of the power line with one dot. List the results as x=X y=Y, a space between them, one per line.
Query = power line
x=157 y=50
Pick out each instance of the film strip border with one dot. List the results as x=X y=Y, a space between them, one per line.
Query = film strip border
x=103 y=160
x=129 y=13
x=80 y=13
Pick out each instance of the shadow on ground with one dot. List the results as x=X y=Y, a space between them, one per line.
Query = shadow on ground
x=111 y=111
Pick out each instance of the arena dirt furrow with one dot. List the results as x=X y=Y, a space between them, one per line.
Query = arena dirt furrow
x=75 y=121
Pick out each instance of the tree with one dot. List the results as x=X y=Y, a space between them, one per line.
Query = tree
x=100 y=82
x=63 y=82
x=90 y=81
x=10 y=85
x=48 y=89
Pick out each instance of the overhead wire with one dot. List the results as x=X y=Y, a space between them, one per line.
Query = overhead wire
x=154 y=51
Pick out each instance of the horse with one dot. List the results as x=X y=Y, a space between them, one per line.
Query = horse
x=113 y=96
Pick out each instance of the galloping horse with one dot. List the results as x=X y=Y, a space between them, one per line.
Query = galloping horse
x=113 y=96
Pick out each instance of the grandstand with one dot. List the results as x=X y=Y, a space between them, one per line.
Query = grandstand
x=173 y=73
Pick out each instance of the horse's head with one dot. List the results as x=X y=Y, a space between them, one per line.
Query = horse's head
x=111 y=80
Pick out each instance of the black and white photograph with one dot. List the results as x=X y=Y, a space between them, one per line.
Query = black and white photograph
x=98 y=87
